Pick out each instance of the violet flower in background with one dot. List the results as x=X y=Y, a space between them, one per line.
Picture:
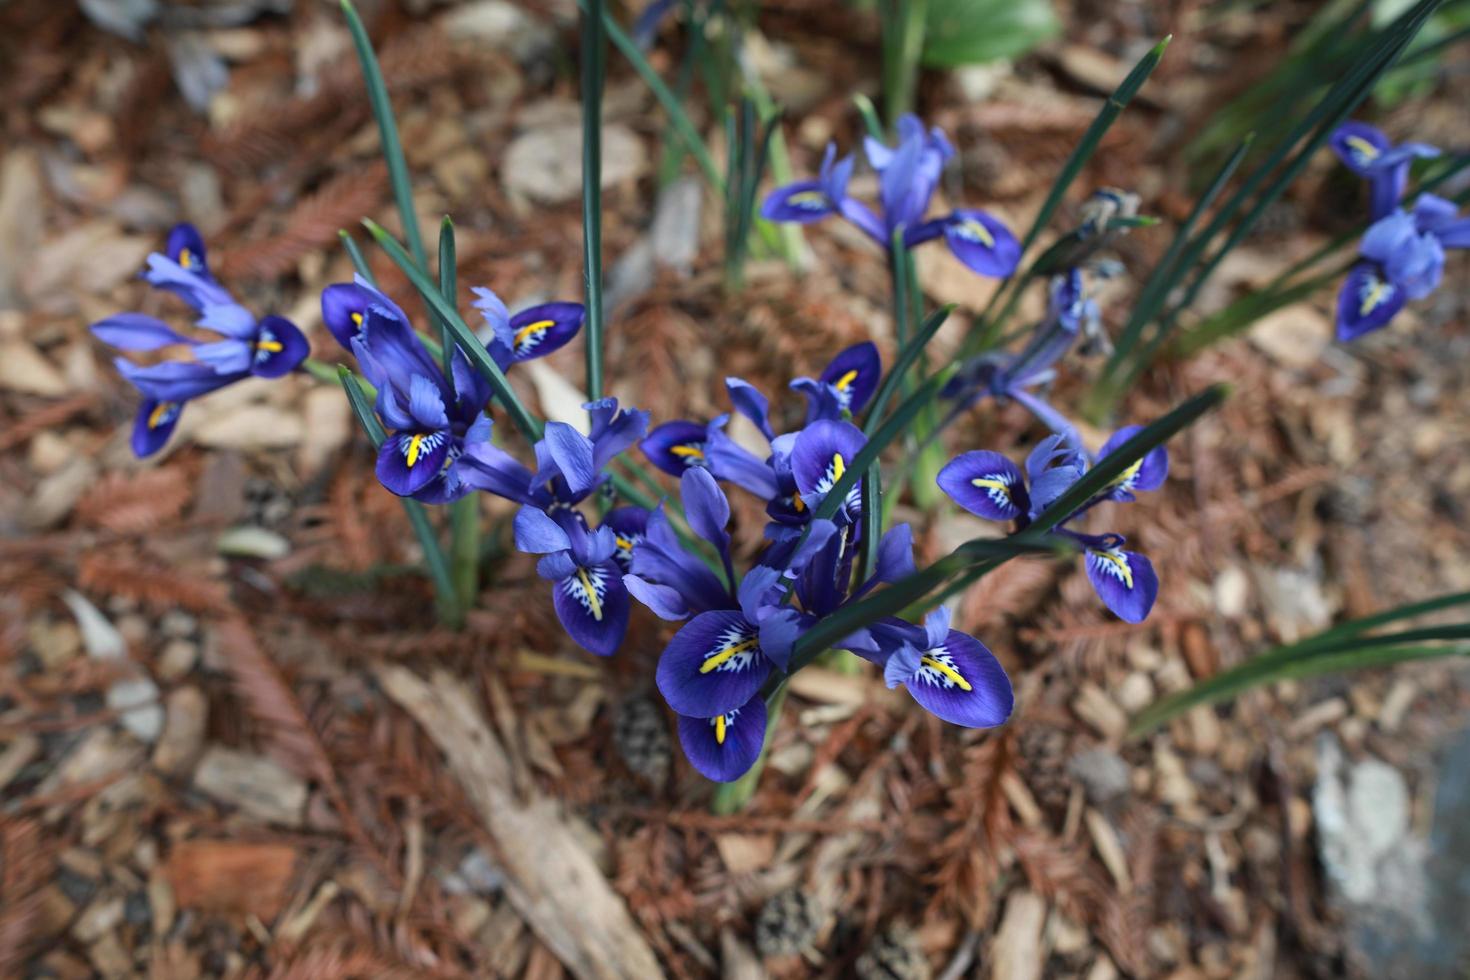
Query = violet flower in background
x=1403 y=260
x=268 y=347
x=1368 y=153
x=989 y=485
x=1402 y=251
x=908 y=175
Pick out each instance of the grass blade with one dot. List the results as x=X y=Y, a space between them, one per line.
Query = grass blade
x=1095 y=132
x=377 y=90
x=478 y=356
x=907 y=357
x=359 y=261
x=593 y=57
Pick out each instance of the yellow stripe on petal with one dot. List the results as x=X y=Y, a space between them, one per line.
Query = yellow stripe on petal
x=1362 y=147
x=846 y=380
x=720 y=730
x=1120 y=563
x=985 y=483
x=838 y=467
x=592 y=600
x=159 y=415
x=411 y=455
x=719 y=659
x=356 y=319
x=270 y=346
x=186 y=258
x=687 y=452
x=532 y=330
x=949 y=672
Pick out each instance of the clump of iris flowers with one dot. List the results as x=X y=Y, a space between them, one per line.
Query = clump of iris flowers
x=908 y=175
x=243 y=345
x=739 y=630
x=1402 y=253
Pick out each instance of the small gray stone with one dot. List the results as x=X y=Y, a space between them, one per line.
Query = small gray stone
x=1103 y=774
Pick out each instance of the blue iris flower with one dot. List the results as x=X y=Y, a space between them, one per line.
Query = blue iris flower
x=268 y=347
x=1368 y=153
x=1402 y=260
x=989 y=485
x=1402 y=253
x=587 y=584
x=950 y=674
x=1011 y=376
x=432 y=420
x=908 y=175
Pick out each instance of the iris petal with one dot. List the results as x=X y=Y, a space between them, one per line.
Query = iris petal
x=724 y=747
x=962 y=683
x=714 y=664
x=985 y=484
x=1124 y=580
x=592 y=604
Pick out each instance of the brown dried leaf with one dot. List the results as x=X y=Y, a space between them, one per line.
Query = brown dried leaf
x=156 y=586
x=130 y=503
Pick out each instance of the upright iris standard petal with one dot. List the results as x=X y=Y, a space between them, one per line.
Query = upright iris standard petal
x=408 y=460
x=985 y=484
x=136 y=331
x=752 y=403
x=706 y=507
x=821 y=455
x=1366 y=302
x=571 y=452
x=1413 y=259
x=713 y=665
x=1147 y=473
x=540 y=330
x=345 y=306
x=279 y=348
x=982 y=242
x=854 y=375
x=186 y=247
x=959 y=681
x=592 y=604
x=155 y=422
x=1124 y=580
x=724 y=747
x=675 y=446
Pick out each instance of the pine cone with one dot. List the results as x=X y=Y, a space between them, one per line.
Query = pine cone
x=642 y=739
x=788 y=923
x=893 y=954
x=1043 y=752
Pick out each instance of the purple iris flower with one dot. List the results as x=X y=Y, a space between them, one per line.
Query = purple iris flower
x=533 y=332
x=268 y=347
x=950 y=674
x=989 y=485
x=1402 y=260
x=587 y=584
x=569 y=465
x=1011 y=376
x=345 y=306
x=908 y=175
x=1369 y=153
x=431 y=420
x=843 y=389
